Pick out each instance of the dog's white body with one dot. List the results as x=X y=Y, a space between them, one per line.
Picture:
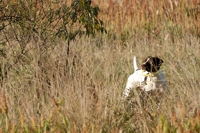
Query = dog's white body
x=144 y=80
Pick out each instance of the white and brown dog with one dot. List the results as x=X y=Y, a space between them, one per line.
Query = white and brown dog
x=150 y=77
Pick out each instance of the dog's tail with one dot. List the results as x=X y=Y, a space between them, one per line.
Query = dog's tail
x=135 y=63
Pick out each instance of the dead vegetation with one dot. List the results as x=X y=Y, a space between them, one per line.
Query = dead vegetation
x=41 y=93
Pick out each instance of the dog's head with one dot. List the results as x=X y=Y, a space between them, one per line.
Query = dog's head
x=152 y=64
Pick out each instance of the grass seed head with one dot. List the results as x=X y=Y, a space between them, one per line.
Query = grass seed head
x=173 y=118
x=55 y=104
x=4 y=106
x=198 y=115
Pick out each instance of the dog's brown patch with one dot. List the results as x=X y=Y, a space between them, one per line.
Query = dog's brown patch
x=152 y=64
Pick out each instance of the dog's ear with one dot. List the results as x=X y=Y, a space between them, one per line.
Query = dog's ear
x=146 y=65
x=157 y=61
x=156 y=64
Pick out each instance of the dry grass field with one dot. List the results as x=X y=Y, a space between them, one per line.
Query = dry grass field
x=41 y=93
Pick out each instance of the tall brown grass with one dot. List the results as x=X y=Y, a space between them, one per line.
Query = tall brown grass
x=41 y=94
x=128 y=14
